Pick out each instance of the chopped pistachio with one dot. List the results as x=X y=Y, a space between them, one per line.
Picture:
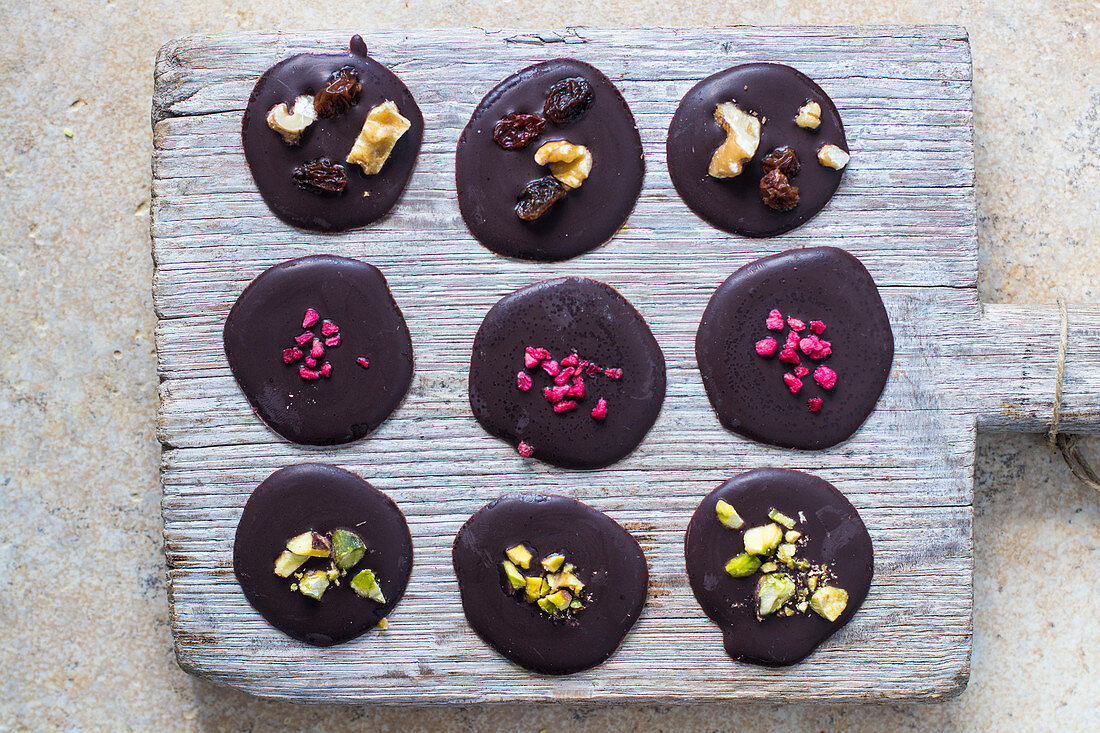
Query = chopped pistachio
x=287 y=563
x=515 y=577
x=547 y=605
x=333 y=574
x=787 y=611
x=743 y=565
x=802 y=564
x=347 y=548
x=565 y=580
x=778 y=516
x=310 y=544
x=762 y=540
x=829 y=602
x=313 y=583
x=792 y=535
x=553 y=563
x=728 y=516
x=382 y=624
x=769 y=567
x=520 y=555
x=785 y=553
x=812 y=582
x=365 y=584
x=802 y=606
x=772 y=591
x=536 y=588
x=560 y=599
x=568 y=567
x=575 y=604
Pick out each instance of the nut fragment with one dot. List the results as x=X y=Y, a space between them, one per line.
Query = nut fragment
x=291 y=124
x=365 y=584
x=515 y=578
x=763 y=540
x=310 y=544
x=340 y=93
x=809 y=116
x=287 y=563
x=743 y=565
x=728 y=516
x=829 y=602
x=536 y=588
x=382 y=129
x=553 y=563
x=537 y=198
x=742 y=139
x=833 y=157
x=792 y=536
x=785 y=553
x=772 y=591
x=313 y=583
x=777 y=516
x=520 y=555
x=569 y=163
x=347 y=548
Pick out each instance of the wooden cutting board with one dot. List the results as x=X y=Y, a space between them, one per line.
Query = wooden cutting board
x=906 y=209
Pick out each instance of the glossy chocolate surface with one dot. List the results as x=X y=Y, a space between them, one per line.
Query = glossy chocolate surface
x=833 y=535
x=321 y=498
x=490 y=179
x=774 y=93
x=608 y=561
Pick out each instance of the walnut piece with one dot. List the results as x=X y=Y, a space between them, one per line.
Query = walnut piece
x=742 y=139
x=809 y=116
x=569 y=163
x=833 y=157
x=291 y=124
x=382 y=129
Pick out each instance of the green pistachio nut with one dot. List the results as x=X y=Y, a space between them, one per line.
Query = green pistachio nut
x=313 y=583
x=553 y=563
x=763 y=540
x=347 y=549
x=515 y=577
x=520 y=555
x=365 y=585
x=310 y=544
x=829 y=602
x=287 y=563
x=772 y=591
x=743 y=565
x=728 y=516
x=777 y=516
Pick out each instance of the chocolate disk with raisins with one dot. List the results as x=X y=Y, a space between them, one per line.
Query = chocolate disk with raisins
x=567 y=371
x=819 y=392
x=832 y=540
x=491 y=179
x=773 y=93
x=273 y=162
x=607 y=561
x=320 y=498
x=320 y=349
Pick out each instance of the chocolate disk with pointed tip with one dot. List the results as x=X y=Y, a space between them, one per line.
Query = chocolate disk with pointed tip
x=357 y=330
x=832 y=535
x=774 y=93
x=572 y=318
x=608 y=561
x=490 y=179
x=272 y=161
x=750 y=393
x=320 y=498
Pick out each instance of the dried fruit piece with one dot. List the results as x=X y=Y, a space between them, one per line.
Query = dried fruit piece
x=833 y=157
x=515 y=131
x=382 y=129
x=728 y=516
x=365 y=584
x=571 y=164
x=599 y=412
x=525 y=450
x=538 y=196
x=814 y=403
x=292 y=355
x=829 y=602
x=777 y=192
x=347 y=549
x=742 y=139
x=321 y=176
x=743 y=565
x=784 y=160
x=774 y=321
x=309 y=320
x=523 y=381
x=340 y=93
x=567 y=100
x=290 y=124
x=766 y=347
x=772 y=591
x=825 y=376
x=809 y=116
x=793 y=383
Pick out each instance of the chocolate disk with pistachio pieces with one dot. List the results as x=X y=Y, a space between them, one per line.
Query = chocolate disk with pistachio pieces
x=340 y=94
x=362 y=549
x=558 y=100
x=568 y=372
x=772 y=94
x=795 y=349
x=808 y=571
x=552 y=584
x=320 y=349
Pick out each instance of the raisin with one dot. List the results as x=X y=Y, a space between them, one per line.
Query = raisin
x=538 y=196
x=321 y=176
x=784 y=160
x=517 y=130
x=777 y=192
x=341 y=93
x=567 y=100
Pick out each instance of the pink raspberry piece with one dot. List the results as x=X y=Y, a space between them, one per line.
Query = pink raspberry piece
x=303 y=338
x=613 y=373
x=801 y=371
x=328 y=328
x=311 y=362
x=363 y=362
x=523 y=381
x=766 y=347
x=825 y=376
x=555 y=394
x=318 y=349
x=565 y=406
x=809 y=345
x=814 y=404
x=306 y=373
x=333 y=340
x=824 y=348
x=530 y=361
x=774 y=321
x=599 y=412
x=525 y=450
x=592 y=370
x=326 y=369
x=292 y=355
x=570 y=360
x=551 y=368
x=793 y=339
x=310 y=318
x=576 y=390
x=793 y=383
x=789 y=356
x=817 y=327
x=795 y=324
x=564 y=376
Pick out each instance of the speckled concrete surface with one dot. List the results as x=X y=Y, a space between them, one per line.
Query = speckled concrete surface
x=85 y=642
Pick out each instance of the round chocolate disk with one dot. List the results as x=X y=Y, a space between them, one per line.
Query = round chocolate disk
x=773 y=93
x=571 y=318
x=313 y=496
x=273 y=161
x=608 y=561
x=369 y=356
x=490 y=179
x=750 y=392
x=833 y=535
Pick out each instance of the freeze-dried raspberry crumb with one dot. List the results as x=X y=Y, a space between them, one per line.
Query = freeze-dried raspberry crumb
x=801 y=371
x=333 y=340
x=792 y=339
x=789 y=356
x=303 y=338
x=523 y=381
x=530 y=361
x=593 y=370
x=564 y=375
x=363 y=362
x=565 y=406
x=613 y=373
x=328 y=328
x=326 y=369
x=825 y=376
x=793 y=383
x=766 y=347
x=555 y=394
x=306 y=373
x=576 y=390
x=795 y=324
x=551 y=367
x=311 y=362
x=318 y=349
x=570 y=360
x=599 y=412
x=814 y=403
x=525 y=450
x=809 y=345
x=292 y=355
x=775 y=320
x=311 y=317
x=817 y=326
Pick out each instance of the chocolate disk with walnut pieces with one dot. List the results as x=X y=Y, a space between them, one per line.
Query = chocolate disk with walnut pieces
x=567 y=371
x=490 y=178
x=320 y=349
x=773 y=93
x=608 y=561
x=832 y=536
x=320 y=498
x=273 y=161
x=753 y=394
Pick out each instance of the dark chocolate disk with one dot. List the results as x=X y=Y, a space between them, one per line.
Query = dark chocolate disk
x=773 y=93
x=354 y=399
x=608 y=561
x=568 y=316
x=748 y=391
x=313 y=496
x=272 y=161
x=490 y=178
x=833 y=535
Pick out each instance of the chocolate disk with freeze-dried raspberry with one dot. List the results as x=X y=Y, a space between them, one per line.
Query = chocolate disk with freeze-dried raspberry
x=309 y=182
x=322 y=499
x=568 y=372
x=826 y=539
x=796 y=348
x=773 y=93
x=578 y=104
x=320 y=349
x=608 y=589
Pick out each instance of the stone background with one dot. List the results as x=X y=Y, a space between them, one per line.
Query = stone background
x=85 y=641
